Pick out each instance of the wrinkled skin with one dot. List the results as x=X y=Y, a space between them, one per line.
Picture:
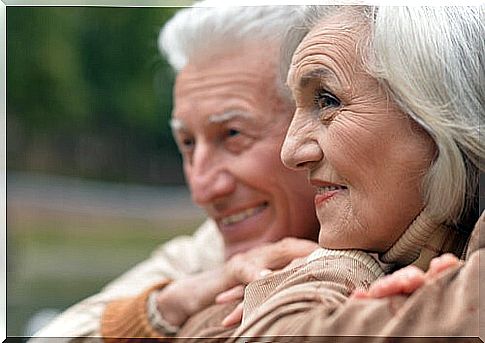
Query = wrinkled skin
x=349 y=134
x=229 y=123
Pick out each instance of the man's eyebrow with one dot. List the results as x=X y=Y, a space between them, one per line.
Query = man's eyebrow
x=226 y=116
x=312 y=75
x=176 y=124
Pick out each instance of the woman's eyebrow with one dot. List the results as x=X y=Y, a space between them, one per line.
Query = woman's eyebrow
x=313 y=74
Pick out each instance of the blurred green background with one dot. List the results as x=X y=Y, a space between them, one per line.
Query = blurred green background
x=88 y=94
x=94 y=180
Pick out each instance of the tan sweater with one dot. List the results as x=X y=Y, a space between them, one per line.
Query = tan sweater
x=449 y=306
x=312 y=300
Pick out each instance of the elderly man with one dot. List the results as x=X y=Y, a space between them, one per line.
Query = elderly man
x=230 y=118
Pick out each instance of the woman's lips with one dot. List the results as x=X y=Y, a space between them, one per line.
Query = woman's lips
x=327 y=192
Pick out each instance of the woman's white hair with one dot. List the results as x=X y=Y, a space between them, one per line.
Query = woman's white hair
x=431 y=60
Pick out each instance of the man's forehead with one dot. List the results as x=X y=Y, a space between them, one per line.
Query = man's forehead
x=243 y=66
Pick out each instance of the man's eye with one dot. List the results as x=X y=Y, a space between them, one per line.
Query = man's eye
x=324 y=100
x=233 y=132
x=187 y=142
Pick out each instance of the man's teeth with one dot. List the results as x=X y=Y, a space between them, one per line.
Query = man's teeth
x=325 y=189
x=242 y=215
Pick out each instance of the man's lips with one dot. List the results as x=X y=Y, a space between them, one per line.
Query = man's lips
x=239 y=216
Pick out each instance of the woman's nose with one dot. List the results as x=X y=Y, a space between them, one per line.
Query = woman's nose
x=301 y=149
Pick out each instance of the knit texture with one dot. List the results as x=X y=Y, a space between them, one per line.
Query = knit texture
x=422 y=241
x=339 y=271
x=361 y=256
x=128 y=319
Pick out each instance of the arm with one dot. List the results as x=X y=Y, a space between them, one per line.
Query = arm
x=285 y=303
x=449 y=305
x=180 y=257
x=181 y=299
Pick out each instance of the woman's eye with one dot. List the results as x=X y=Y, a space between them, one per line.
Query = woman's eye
x=325 y=100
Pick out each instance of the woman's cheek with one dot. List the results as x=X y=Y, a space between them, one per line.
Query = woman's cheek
x=345 y=148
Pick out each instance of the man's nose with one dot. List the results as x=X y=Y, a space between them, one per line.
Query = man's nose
x=208 y=176
x=301 y=149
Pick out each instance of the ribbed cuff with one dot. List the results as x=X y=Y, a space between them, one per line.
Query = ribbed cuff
x=128 y=319
x=156 y=319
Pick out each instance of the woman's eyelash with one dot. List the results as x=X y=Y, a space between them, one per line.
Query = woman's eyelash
x=324 y=99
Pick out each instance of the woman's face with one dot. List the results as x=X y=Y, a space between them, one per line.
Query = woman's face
x=363 y=155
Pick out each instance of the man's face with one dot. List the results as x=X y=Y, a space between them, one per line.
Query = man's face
x=229 y=123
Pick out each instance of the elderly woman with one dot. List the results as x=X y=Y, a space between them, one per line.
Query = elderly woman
x=387 y=127
x=388 y=109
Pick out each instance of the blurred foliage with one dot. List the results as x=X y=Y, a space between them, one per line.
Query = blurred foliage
x=89 y=95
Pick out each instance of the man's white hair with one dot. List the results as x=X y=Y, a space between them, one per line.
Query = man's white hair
x=197 y=34
x=431 y=60
x=201 y=32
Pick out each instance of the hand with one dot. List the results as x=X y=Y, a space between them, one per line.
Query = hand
x=407 y=280
x=257 y=263
x=232 y=295
x=176 y=306
x=185 y=297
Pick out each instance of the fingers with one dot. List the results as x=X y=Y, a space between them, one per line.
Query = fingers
x=256 y=263
x=440 y=264
x=245 y=268
x=231 y=295
x=360 y=294
x=234 y=317
x=408 y=279
x=281 y=253
x=404 y=281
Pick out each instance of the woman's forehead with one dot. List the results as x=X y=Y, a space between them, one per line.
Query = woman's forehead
x=329 y=48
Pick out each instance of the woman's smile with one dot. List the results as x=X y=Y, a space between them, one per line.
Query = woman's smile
x=326 y=191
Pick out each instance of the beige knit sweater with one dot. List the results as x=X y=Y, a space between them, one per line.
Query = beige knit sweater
x=312 y=299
